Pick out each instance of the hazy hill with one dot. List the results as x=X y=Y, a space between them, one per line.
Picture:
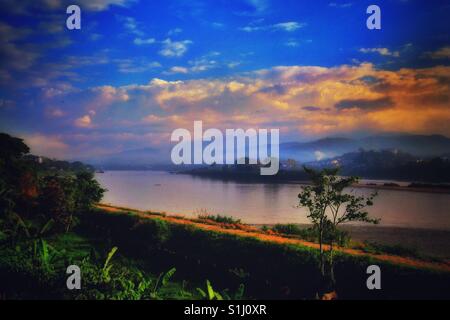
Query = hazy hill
x=387 y=164
x=326 y=148
x=416 y=145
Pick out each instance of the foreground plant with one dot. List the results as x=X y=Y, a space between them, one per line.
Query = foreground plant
x=210 y=293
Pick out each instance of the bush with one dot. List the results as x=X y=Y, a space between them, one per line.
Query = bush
x=220 y=219
x=342 y=238
x=62 y=197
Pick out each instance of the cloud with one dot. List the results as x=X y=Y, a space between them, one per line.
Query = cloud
x=367 y=104
x=340 y=5
x=254 y=7
x=14 y=56
x=174 y=31
x=218 y=25
x=28 y=7
x=131 y=26
x=178 y=69
x=301 y=101
x=204 y=63
x=136 y=65
x=6 y=103
x=342 y=101
x=141 y=42
x=441 y=54
x=311 y=108
x=381 y=51
x=95 y=36
x=174 y=48
x=54 y=112
x=288 y=26
x=292 y=43
x=47 y=145
x=100 y=5
x=84 y=121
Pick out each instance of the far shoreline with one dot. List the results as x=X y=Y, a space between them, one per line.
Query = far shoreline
x=255 y=180
x=425 y=189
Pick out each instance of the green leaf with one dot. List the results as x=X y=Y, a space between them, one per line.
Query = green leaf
x=110 y=255
x=47 y=226
x=202 y=293
x=240 y=292
x=167 y=276
x=210 y=290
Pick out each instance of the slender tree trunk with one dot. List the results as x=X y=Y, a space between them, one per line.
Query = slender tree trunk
x=321 y=288
x=69 y=224
x=333 y=280
x=322 y=261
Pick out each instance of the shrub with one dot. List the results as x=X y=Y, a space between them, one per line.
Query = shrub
x=220 y=219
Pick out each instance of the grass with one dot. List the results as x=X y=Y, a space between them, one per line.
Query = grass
x=397 y=250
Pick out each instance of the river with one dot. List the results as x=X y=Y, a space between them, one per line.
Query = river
x=258 y=203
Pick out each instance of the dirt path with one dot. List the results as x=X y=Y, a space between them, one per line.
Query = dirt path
x=253 y=233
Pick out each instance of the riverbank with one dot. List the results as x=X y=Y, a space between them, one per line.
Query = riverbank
x=243 y=230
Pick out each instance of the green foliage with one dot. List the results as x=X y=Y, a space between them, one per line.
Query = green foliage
x=155 y=231
x=238 y=295
x=341 y=237
x=210 y=293
x=329 y=206
x=399 y=250
x=45 y=255
x=11 y=147
x=107 y=266
x=14 y=174
x=161 y=282
x=295 y=230
x=220 y=219
x=33 y=190
x=122 y=282
x=64 y=196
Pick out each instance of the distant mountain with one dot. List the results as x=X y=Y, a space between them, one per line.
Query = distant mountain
x=389 y=165
x=317 y=149
x=416 y=145
x=142 y=158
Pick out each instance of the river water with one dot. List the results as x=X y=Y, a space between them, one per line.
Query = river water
x=259 y=203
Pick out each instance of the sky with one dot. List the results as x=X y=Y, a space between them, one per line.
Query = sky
x=137 y=70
